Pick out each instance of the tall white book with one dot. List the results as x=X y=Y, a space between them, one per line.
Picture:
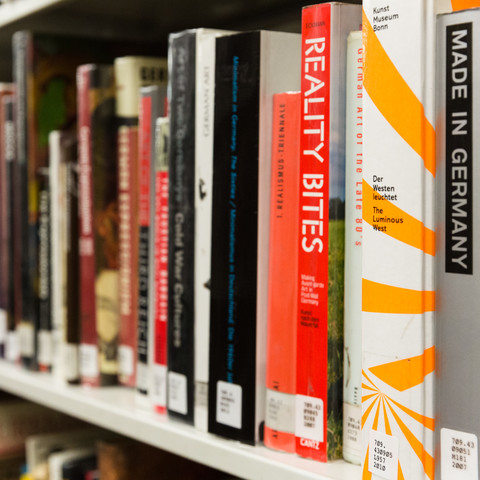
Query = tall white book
x=204 y=111
x=399 y=238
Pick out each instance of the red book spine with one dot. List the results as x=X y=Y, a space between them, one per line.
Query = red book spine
x=89 y=369
x=161 y=268
x=312 y=316
x=144 y=178
x=128 y=247
x=283 y=265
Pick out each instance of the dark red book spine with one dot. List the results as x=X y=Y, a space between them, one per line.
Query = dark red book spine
x=89 y=370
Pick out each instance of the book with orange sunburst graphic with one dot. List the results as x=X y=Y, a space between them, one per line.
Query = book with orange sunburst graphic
x=399 y=238
x=399 y=242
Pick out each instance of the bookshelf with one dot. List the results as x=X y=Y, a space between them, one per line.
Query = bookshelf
x=114 y=408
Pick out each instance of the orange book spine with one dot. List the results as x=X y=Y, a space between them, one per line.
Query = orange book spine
x=283 y=266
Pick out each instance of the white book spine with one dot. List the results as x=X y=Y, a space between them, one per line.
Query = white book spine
x=352 y=390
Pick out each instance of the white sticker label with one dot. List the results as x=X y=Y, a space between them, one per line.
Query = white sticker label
x=309 y=418
x=177 y=393
x=89 y=360
x=229 y=404
x=459 y=455
x=12 y=348
x=142 y=377
x=383 y=455
x=280 y=412
x=352 y=435
x=125 y=360
x=70 y=360
x=26 y=339
x=3 y=326
x=159 y=390
x=45 y=348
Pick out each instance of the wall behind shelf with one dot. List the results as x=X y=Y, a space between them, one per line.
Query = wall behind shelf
x=147 y=20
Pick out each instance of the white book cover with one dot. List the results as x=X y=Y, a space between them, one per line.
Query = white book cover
x=352 y=376
x=399 y=238
x=398 y=246
x=204 y=113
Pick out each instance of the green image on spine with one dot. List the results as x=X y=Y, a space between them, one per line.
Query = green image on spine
x=335 y=337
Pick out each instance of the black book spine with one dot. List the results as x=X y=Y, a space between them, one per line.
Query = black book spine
x=10 y=207
x=181 y=227
x=44 y=336
x=234 y=238
x=27 y=327
x=72 y=333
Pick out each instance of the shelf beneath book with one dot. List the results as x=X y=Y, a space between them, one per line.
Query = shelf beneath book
x=115 y=408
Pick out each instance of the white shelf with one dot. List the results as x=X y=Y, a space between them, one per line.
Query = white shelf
x=20 y=9
x=114 y=408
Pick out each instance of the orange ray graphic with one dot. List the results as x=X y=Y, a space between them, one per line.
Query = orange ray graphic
x=400 y=473
x=366 y=475
x=377 y=416
x=367 y=412
x=388 y=429
x=417 y=447
x=396 y=101
x=425 y=421
x=411 y=231
x=406 y=373
x=381 y=298
x=464 y=4
x=366 y=387
x=364 y=373
x=368 y=397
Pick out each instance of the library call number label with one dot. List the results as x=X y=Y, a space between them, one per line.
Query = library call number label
x=383 y=455
x=459 y=455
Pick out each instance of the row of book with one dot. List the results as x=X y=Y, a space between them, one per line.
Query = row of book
x=237 y=307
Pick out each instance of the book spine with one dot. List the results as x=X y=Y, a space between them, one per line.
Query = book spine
x=128 y=249
x=352 y=372
x=26 y=327
x=322 y=225
x=44 y=335
x=5 y=233
x=144 y=163
x=105 y=219
x=58 y=206
x=283 y=265
x=181 y=218
x=72 y=338
x=204 y=110
x=150 y=108
x=11 y=344
x=233 y=310
x=398 y=298
x=89 y=369
x=160 y=240
x=457 y=276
